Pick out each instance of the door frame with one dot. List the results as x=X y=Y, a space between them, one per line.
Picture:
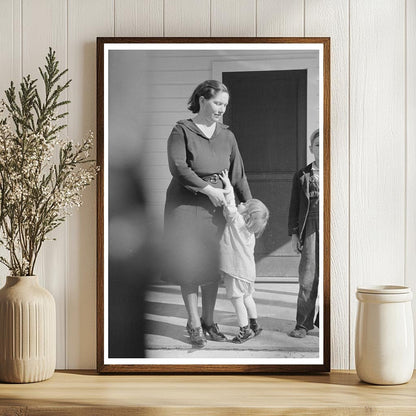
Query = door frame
x=289 y=62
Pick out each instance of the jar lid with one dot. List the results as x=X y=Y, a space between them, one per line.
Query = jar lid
x=384 y=289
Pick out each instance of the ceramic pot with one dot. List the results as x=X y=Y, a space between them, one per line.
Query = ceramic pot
x=384 y=338
x=27 y=331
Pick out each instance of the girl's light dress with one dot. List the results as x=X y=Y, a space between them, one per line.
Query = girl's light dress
x=237 y=243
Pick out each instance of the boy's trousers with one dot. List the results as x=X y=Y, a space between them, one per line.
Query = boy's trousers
x=308 y=276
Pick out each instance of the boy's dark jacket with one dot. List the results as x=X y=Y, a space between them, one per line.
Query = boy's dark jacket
x=299 y=202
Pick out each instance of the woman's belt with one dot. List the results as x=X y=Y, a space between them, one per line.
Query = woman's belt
x=213 y=180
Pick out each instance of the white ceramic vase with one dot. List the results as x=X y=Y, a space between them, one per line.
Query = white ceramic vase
x=27 y=331
x=384 y=337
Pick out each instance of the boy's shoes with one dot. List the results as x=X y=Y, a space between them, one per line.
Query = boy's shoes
x=197 y=336
x=298 y=333
x=213 y=332
x=244 y=334
x=255 y=327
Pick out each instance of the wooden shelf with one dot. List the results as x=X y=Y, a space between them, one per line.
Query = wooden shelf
x=86 y=393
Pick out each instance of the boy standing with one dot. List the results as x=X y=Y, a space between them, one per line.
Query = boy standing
x=304 y=230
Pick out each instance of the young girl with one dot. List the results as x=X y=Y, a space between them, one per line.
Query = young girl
x=244 y=224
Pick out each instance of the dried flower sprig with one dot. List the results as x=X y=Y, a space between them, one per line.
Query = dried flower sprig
x=41 y=176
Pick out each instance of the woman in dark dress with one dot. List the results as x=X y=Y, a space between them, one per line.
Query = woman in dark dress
x=198 y=149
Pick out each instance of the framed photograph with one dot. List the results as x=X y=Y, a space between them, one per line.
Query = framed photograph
x=213 y=205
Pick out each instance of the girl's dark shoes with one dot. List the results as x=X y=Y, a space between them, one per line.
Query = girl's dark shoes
x=212 y=332
x=245 y=334
x=196 y=336
x=255 y=327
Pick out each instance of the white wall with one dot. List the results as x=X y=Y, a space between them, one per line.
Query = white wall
x=373 y=130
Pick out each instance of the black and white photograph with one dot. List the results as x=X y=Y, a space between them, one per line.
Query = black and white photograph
x=213 y=205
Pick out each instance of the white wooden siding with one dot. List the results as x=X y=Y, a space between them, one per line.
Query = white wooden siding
x=138 y=17
x=280 y=18
x=410 y=85
x=373 y=128
x=187 y=18
x=85 y=20
x=330 y=18
x=233 y=18
x=377 y=147
x=52 y=263
x=10 y=63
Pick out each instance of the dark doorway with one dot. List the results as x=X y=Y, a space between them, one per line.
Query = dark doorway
x=267 y=113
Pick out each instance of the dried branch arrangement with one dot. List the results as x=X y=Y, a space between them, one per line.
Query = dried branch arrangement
x=42 y=176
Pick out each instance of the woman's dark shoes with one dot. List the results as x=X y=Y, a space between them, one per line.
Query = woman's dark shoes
x=196 y=336
x=213 y=332
x=255 y=327
x=245 y=334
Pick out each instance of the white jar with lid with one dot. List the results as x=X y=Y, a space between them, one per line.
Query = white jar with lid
x=384 y=337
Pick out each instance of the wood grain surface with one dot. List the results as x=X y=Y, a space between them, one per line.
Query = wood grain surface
x=339 y=393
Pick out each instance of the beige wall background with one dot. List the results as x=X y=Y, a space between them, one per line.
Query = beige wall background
x=373 y=132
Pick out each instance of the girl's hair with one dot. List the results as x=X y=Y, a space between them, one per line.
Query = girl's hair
x=314 y=135
x=256 y=216
x=206 y=89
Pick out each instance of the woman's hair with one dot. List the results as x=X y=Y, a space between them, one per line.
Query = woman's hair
x=206 y=89
x=314 y=135
x=256 y=216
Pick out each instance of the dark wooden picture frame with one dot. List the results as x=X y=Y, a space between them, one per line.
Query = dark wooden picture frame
x=108 y=240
